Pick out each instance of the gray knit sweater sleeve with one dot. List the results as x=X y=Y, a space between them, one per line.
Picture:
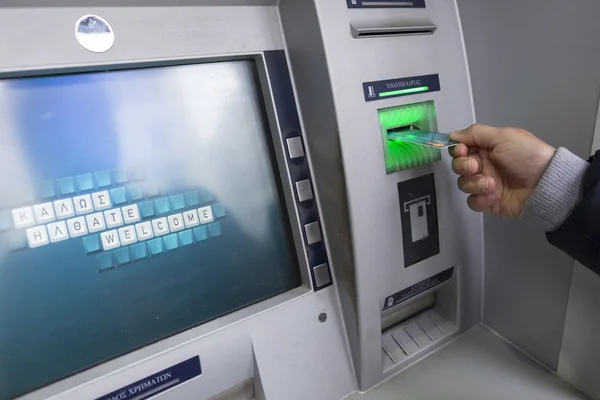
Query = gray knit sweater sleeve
x=557 y=193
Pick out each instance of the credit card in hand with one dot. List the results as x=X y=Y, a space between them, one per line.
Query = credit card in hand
x=432 y=139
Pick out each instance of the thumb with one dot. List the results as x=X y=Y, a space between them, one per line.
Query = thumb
x=477 y=135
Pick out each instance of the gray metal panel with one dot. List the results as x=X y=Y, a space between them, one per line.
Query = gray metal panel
x=478 y=366
x=372 y=195
x=534 y=64
x=580 y=350
x=133 y=3
x=310 y=72
x=48 y=38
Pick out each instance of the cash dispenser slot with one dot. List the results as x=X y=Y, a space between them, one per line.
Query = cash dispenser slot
x=399 y=155
x=390 y=31
x=420 y=323
x=397 y=315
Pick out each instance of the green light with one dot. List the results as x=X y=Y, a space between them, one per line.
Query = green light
x=400 y=155
x=404 y=91
x=405 y=115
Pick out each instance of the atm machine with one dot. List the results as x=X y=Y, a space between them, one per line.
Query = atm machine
x=205 y=200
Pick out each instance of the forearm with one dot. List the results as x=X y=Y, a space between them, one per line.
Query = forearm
x=566 y=204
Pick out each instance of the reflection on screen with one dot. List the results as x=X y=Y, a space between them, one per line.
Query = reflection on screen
x=133 y=205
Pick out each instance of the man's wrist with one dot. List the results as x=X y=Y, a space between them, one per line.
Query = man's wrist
x=557 y=193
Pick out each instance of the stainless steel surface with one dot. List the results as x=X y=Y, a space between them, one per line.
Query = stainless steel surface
x=133 y=3
x=185 y=32
x=419 y=345
x=580 y=352
x=313 y=233
x=387 y=353
x=477 y=366
x=409 y=341
x=243 y=391
x=306 y=52
x=322 y=277
x=400 y=345
x=304 y=190
x=386 y=31
x=441 y=328
x=372 y=196
x=94 y=33
x=527 y=280
x=395 y=315
x=295 y=147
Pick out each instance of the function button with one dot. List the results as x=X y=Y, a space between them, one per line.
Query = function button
x=322 y=276
x=304 y=190
x=295 y=147
x=313 y=233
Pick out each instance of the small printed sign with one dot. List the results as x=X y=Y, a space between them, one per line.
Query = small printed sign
x=379 y=90
x=417 y=288
x=158 y=382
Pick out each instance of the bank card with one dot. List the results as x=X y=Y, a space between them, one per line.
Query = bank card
x=432 y=139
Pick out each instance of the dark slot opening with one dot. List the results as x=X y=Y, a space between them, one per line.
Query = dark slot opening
x=375 y=3
x=404 y=128
x=399 y=32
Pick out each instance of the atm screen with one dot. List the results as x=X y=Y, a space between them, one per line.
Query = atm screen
x=134 y=204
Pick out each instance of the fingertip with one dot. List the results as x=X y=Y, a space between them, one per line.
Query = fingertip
x=473 y=166
x=465 y=166
x=491 y=184
x=460 y=150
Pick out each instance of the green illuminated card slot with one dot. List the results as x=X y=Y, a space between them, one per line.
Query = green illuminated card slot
x=400 y=155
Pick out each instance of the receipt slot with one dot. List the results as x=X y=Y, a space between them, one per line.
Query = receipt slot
x=418 y=211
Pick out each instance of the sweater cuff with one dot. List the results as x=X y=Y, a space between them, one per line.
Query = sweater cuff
x=557 y=193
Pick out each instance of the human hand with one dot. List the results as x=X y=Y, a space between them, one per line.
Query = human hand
x=499 y=167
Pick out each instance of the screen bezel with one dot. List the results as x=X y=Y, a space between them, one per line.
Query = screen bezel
x=274 y=142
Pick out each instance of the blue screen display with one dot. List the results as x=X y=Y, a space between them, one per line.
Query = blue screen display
x=133 y=205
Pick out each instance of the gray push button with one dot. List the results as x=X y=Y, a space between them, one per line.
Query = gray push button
x=304 y=190
x=322 y=277
x=295 y=147
x=313 y=233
